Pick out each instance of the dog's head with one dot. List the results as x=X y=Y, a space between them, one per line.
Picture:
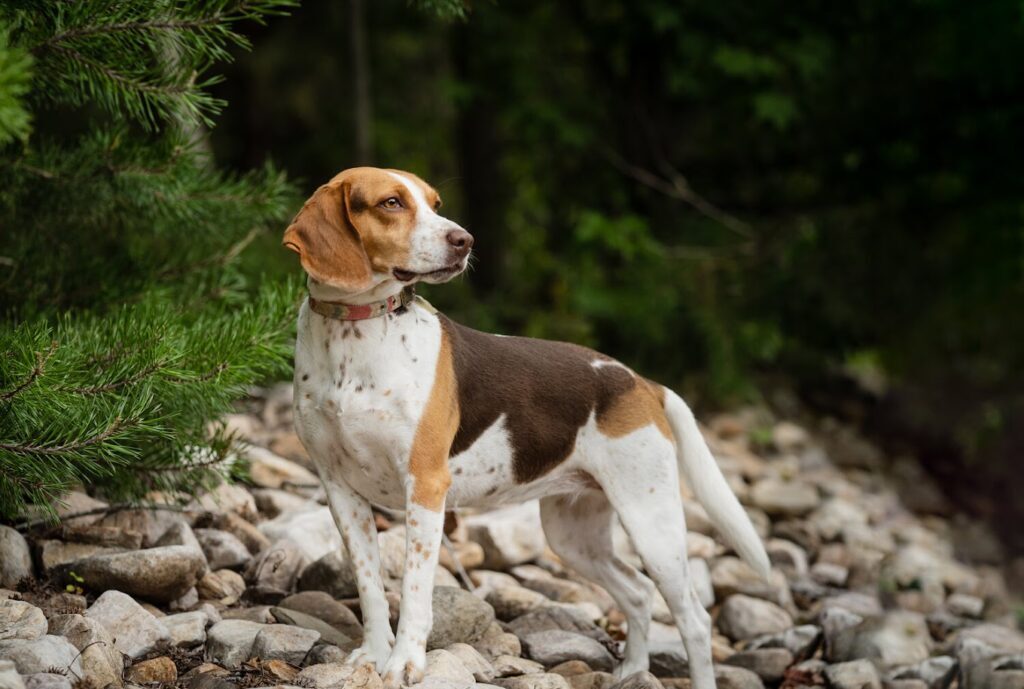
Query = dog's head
x=367 y=226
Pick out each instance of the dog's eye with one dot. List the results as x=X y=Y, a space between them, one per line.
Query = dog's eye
x=437 y=206
x=392 y=203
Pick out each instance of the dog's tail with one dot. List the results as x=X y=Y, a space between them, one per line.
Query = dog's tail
x=706 y=480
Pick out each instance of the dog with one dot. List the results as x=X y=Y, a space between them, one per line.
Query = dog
x=401 y=407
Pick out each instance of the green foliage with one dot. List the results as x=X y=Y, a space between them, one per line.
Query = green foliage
x=131 y=320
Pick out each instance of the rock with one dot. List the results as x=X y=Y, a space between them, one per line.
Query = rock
x=729 y=677
x=507 y=666
x=485 y=581
x=76 y=502
x=459 y=616
x=743 y=617
x=856 y=674
x=272 y=502
x=151 y=523
x=187 y=601
x=509 y=536
x=496 y=643
x=769 y=664
x=328 y=634
x=155 y=671
x=326 y=653
x=468 y=554
x=788 y=438
x=258 y=613
x=322 y=606
x=700 y=580
x=313 y=532
x=801 y=642
x=538 y=680
x=732 y=575
x=244 y=531
x=226 y=497
x=280 y=670
x=965 y=606
x=47 y=680
x=1000 y=638
x=446 y=666
x=840 y=629
x=552 y=617
x=222 y=585
x=333 y=573
x=284 y=642
x=102 y=663
x=898 y=638
x=638 y=680
x=784 y=498
x=187 y=629
x=339 y=676
x=556 y=646
x=9 y=677
x=277 y=567
x=787 y=556
x=591 y=680
x=54 y=556
x=935 y=673
x=230 y=643
x=268 y=470
x=668 y=659
x=560 y=589
x=830 y=574
x=15 y=559
x=160 y=574
x=19 y=620
x=42 y=655
x=510 y=602
x=473 y=661
x=222 y=550
x=136 y=632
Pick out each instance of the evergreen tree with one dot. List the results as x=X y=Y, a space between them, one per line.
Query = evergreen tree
x=127 y=321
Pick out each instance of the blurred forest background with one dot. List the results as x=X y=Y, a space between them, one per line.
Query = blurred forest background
x=736 y=198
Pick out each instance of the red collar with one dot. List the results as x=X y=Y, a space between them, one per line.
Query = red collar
x=360 y=312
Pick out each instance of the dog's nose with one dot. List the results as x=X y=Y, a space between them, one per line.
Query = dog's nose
x=460 y=241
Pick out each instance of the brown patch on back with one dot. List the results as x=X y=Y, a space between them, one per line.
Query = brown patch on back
x=428 y=462
x=635 y=408
x=546 y=391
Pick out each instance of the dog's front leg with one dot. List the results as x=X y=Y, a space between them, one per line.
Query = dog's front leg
x=354 y=519
x=424 y=525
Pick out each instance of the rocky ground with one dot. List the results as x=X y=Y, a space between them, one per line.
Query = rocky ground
x=876 y=584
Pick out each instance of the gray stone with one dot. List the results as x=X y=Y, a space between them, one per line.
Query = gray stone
x=284 y=642
x=55 y=556
x=459 y=616
x=42 y=655
x=591 y=680
x=898 y=638
x=856 y=674
x=9 y=677
x=223 y=585
x=151 y=523
x=965 y=606
x=222 y=550
x=19 y=620
x=538 y=680
x=187 y=629
x=473 y=661
x=638 y=680
x=840 y=629
x=444 y=665
x=784 y=498
x=668 y=659
x=729 y=677
x=230 y=643
x=325 y=654
x=508 y=666
x=731 y=575
x=787 y=556
x=47 y=680
x=509 y=536
x=743 y=617
x=935 y=673
x=557 y=617
x=328 y=634
x=325 y=675
x=767 y=663
x=136 y=632
x=321 y=605
x=277 y=567
x=102 y=664
x=801 y=641
x=700 y=580
x=556 y=646
x=510 y=602
x=159 y=574
x=495 y=643
x=15 y=559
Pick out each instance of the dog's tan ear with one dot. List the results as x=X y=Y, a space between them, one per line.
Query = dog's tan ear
x=328 y=245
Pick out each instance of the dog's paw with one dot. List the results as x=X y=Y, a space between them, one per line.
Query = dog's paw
x=374 y=654
x=404 y=667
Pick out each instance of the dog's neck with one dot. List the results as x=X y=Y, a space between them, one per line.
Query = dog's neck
x=379 y=292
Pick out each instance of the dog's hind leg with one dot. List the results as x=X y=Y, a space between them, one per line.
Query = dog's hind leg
x=579 y=531
x=641 y=481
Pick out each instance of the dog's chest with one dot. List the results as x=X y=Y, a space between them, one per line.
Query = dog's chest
x=360 y=390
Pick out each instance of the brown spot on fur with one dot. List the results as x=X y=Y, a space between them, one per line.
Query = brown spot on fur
x=546 y=391
x=428 y=461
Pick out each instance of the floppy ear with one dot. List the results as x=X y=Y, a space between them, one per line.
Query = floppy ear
x=323 y=236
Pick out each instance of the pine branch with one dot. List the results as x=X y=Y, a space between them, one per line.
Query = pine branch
x=37 y=370
x=76 y=446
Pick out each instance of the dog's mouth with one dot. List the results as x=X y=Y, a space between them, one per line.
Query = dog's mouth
x=439 y=275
